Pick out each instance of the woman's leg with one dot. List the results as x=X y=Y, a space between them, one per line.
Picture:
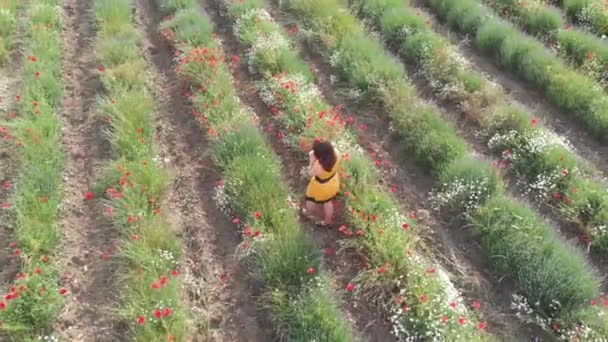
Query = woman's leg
x=328 y=209
x=311 y=210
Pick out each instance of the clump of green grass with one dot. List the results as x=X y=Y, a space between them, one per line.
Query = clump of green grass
x=34 y=298
x=134 y=184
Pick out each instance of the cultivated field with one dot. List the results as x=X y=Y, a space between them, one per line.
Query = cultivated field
x=153 y=160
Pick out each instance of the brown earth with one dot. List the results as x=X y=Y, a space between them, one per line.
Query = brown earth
x=9 y=82
x=219 y=291
x=87 y=256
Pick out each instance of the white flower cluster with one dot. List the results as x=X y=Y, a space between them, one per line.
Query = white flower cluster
x=306 y=92
x=167 y=256
x=580 y=332
x=250 y=16
x=49 y=338
x=266 y=44
x=460 y=193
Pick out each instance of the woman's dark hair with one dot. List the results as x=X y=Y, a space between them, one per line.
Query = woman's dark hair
x=325 y=154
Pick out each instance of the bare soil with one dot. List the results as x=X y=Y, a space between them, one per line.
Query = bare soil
x=87 y=256
x=522 y=92
x=9 y=266
x=219 y=291
x=455 y=247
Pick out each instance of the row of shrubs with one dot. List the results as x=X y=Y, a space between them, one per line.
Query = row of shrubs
x=133 y=183
x=416 y=294
x=529 y=59
x=296 y=293
x=517 y=241
x=33 y=300
x=548 y=165
x=584 y=50
x=591 y=13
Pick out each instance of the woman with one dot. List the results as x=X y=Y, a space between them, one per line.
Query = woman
x=324 y=184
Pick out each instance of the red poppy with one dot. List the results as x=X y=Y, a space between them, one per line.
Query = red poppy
x=461 y=320
x=134 y=237
x=257 y=214
x=235 y=59
x=16 y=252
x=247 y=231
x=360 y=232
x=167 y=312
x=534 y=122
x=63 y=291
x=381 y=269
x=13 y=244
x=589 y=55
x=566 y=199
x=452 y=305
x=593 y=302
x=174 y=273
x=256 y=233
x=158 y=314
x=6 y=185
x=37 y=74
x=32 y=58
x=44 y=259
x=422 y=298
x=43 y=199
x=155 y=286
x=329 y=251
x=476 y=305
x=88 y=195
x=5 y=205
x=481 y=325
x=349 y=287
x=163 y=280
x=130 y=219
x=443 y=319
x=236 y=220
x=100 y=68
x=37 y=270
x=140 y=320
x=556 y=195
x=405 y=226
x=2 y=306
x=109 y=211
x=555 y=327
x=280 y=135
x=564 y=172
x=310 y=270
x=430 y=270
x=218 y=183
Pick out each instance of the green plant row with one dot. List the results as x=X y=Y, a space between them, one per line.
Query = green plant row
x=297 y=294
x=530 y=60
x=516 y=240
x=584 y=50
x=134 y=183
x=550 y=168
x=8 y=21
x=593 y=14
x=415 y=293
x=35 y=297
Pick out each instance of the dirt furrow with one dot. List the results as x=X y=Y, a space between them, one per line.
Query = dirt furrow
x=88 y=248
x=220 y=293
x=520 y=91
x=8 y=87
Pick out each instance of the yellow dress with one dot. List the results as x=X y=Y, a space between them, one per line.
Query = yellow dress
x=324 y=187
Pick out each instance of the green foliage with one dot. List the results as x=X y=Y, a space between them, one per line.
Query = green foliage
x=514 y=238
